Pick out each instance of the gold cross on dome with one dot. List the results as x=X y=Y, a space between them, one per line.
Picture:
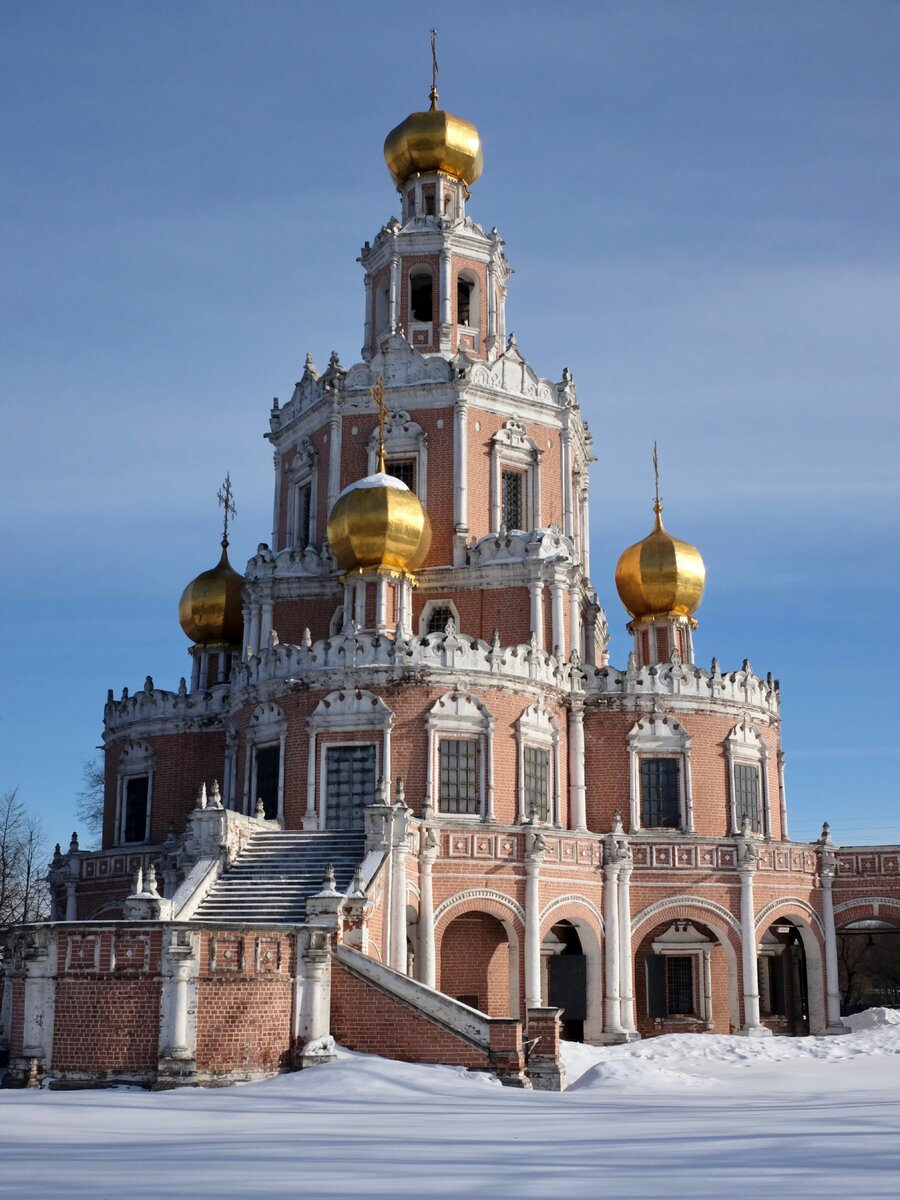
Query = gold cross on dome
x=433 y=94
x=225 y=496
x=376 y=391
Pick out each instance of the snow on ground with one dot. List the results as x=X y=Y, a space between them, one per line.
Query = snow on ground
x=670 y=1117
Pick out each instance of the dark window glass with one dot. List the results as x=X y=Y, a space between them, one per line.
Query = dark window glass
x=659 y=793
x=403 y=469
x=537 y=783
x=137 y=792
x=746 y=799
x=420 y=295
x=463 y=301
x=304 y=514
x=438 y=618
x=268 y=760
x=680 y=985
x=512 y=495
x=349 y=785
x=459 y=776
x=656 y=987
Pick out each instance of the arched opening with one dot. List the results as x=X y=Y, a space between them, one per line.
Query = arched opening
x=783 y=979
x=566 y=978
x=421 y=295
x=467 y=300
x=476 y=962
x=686 y=979
x=869 y=964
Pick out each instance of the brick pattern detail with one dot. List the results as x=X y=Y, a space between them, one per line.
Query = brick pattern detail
x=474 y=960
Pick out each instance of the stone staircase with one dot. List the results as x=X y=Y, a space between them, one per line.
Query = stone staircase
x=275 y=874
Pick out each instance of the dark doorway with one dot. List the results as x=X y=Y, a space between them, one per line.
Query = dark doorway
x=567 y=980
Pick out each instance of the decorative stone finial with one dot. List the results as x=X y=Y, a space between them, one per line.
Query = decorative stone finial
x=400 y=793
x=617 y=826
x=73 y=844
x=260 y=809
x=825 y=837
x=216 y=795
x=138 y=885
x=201 y=796
x=151 y=885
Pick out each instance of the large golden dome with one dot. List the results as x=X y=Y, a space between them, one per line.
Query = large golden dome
x=378 y=522
x=433 y=141
x=210 y=610
x=661 y=575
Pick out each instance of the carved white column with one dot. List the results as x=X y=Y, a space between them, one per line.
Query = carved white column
x=460 y=469
x=39 y=999
x=277 y=532
x=253 y=639
x=557 y=593
x=567 y=483
x=394 y=294
x=575 y=621
x=688 y=791
x=781 y=797
x=71 y=902
x=265 y=627
x=707 y=986
x=747 y=869
x=577 y=792
x=446 y=285
x=585 y=534
x=178 y=1000
x=832 y=984
x=537 y=612
x=334 y=458
x=492 y=303
x=489 y=772
x=533 y=860
x=310 y=820
x=427 y=973
x=368 y=339
x=312 y=1008
x=398 y=951
x=613 y=1004
x=626 y=973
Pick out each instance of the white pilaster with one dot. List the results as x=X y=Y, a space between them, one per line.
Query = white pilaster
x=626 y=973
x=427 y=973
x=533 y=861
x=832 y=983
x=577 y=793
x=537 y=611
x=746 y=870
x=613 y=1003
x=557 y=593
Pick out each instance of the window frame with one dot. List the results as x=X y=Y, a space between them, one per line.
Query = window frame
x=325 y=745
x=660 y=735
x=429 y=608
x=404 y=438
x=302 y=474
x=475 y=742
x=678 y=812
x=512 y=449
x=365 y=719
x=538 y=729
x=268 y=727
x=745 y=746
x=136 y=761
x=464 y=717
x=682 y=940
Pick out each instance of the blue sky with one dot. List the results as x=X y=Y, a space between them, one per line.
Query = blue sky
x=700 y=203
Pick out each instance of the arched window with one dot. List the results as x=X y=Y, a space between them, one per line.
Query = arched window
x=421 y=295
x=134 y=793
x=467 y=301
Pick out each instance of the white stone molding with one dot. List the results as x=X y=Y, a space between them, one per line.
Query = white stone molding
x=793 y=902
x=876 y=902
x=136 y=759
x=577 y=787
x=512 y=447
x=508 y=909
x=538 y=727
x=179 y=712
x=430 y=606
x=572 y=899
x=267 y=727
x=404 y=439
x=510 y=374
x=548 y=545
x=474 y=894
x=688 y=683
x=350 y=711
x=659 y=907
x=746 y=745
x=459 y=715
x=303 y=473
x=660 y=736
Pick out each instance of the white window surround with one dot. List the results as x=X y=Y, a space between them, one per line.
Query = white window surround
x=429 y=608
x=459 y=715
x=136 y=759
x=538 y=727
x=513 y=449
x=352 y=711
x=404 y=438
x=683 y=939
x=268 y=727
x=302 y=473
x=745 y=744
x=660 y=736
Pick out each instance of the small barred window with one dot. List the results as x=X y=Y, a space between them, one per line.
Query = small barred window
x=537 y=783
x=459 y=776
x=512 y=499
x=746 y=799
x=438 y=618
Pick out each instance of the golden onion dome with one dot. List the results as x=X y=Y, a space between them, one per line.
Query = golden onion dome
x=661 y=575
x=434 y=141
x=210 y=610
x=378 y=522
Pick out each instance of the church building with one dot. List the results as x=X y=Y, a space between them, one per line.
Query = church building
x=414 y=796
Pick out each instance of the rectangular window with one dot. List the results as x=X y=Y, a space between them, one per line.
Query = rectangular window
x=268 y=762
x=304 y=514
x=459 y=776
x=660 y=807
x=403 y=469
x=512 y=495
x=680 y=985
x=349 y=785
x=137 y=793
x=537 y=783
x=438 y=618
x=746 y=794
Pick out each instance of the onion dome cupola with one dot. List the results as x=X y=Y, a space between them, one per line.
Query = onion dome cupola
x=660 y=581
x=379 y=533
x=432 y=141
x=211 y=611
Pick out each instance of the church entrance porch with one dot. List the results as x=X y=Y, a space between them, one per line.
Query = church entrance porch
x=565 y=983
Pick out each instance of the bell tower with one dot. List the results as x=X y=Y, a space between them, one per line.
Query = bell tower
x=435 y=275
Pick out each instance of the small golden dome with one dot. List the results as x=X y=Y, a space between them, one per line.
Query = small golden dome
x=378 y=522
x=210 y=610
x=434 y=141
x=661 y=575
